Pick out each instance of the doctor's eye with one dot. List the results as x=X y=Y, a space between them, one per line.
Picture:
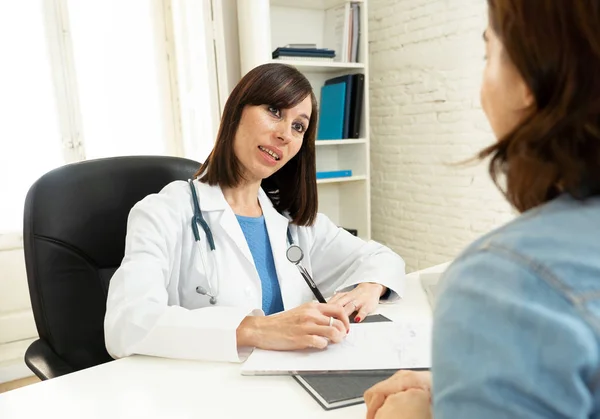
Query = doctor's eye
x=299 y=127
x=275 y=111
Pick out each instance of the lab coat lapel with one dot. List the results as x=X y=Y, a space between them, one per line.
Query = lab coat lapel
x=231 y=225
x=213 y=200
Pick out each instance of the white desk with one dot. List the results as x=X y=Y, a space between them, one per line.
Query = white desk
x=146 y=387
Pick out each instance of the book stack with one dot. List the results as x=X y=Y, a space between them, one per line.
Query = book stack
x=303 y=52
x=341 y=107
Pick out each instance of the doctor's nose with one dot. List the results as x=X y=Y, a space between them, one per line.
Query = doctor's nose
x=284 y=132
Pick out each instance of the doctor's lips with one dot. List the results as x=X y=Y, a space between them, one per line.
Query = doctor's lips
x=272 y=151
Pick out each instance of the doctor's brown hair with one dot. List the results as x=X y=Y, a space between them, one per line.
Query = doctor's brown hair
x=293 y=188
x=555 y=46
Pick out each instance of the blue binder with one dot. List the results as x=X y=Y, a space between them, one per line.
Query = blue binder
x=331 y=114
x=347 y=81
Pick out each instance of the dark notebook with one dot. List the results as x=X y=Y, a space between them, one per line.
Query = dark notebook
x=356 y=105
x=335 y=390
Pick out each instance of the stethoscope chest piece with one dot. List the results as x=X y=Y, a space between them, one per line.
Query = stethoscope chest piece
x=294 y=254
x=202 y=291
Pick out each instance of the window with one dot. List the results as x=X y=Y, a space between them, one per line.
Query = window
x=196 y=75
x=122 y=77
x=30 y=137
x=97 y=79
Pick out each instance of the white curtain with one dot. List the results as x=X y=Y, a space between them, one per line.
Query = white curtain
x=122 y=76
x=30 y=137
x=119 y=83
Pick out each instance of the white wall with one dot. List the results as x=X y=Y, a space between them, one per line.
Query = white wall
x=17 y=328
x=426 y=63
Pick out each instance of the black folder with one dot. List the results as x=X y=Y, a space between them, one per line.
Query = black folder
x=341 y=389
x=336 y=390
x=356 y=104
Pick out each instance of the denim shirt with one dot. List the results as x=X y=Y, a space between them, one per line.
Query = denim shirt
x=517 y=321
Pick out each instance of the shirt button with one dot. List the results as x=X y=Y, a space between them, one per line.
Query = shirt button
x=248 y=290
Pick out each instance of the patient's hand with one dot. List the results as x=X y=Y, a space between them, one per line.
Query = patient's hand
x=409 y=404
x=402 y=381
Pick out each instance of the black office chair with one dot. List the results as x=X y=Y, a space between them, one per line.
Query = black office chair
x=75 y=222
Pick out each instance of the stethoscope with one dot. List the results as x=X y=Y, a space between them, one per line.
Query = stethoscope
x=293 y=253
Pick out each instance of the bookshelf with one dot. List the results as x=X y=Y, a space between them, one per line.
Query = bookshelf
x=341 y=179
x=311 y=4
x=341 y=142
x=265 y=25
x=322 y=66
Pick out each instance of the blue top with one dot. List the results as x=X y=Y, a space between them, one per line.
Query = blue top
x=517 y=321
x=255 y=230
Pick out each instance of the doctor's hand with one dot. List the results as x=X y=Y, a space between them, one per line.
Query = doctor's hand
x=363 y=299
x=400 y=382
x=306 y=326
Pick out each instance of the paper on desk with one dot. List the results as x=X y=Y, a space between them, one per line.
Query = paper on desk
x=369 y=346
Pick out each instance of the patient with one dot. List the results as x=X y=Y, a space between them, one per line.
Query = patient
x=517 y=323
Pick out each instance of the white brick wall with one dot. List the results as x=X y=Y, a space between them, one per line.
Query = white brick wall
x=426 y=59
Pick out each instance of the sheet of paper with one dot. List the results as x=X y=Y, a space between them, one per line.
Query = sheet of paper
x=370 y=346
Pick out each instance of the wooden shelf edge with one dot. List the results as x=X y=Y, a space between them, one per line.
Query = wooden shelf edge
x=312 y=4
x=323 y=143
x=321 y=65
x=341 y=179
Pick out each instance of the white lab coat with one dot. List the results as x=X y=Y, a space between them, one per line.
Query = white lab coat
x=153 y=307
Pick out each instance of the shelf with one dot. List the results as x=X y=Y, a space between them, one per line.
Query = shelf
x=345 y=200
x=311 y=4
x=321 y=66
x=342 y=179
x=340 y=142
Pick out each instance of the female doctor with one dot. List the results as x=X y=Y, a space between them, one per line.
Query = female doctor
x=205 y=273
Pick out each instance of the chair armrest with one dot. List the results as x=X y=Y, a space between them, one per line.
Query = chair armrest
x=44 y=362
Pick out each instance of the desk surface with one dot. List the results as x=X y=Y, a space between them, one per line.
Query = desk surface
x=146 y=387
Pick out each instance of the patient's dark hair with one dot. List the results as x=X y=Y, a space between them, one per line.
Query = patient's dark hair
x=555 y=46
x=293 y=188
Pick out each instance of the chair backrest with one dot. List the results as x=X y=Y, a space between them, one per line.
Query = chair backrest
x=75 y=223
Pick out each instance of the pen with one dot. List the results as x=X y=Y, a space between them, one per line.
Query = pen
x=295 y=255
x=311 y=284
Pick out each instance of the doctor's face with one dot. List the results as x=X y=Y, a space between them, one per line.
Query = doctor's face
x=268 y=137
